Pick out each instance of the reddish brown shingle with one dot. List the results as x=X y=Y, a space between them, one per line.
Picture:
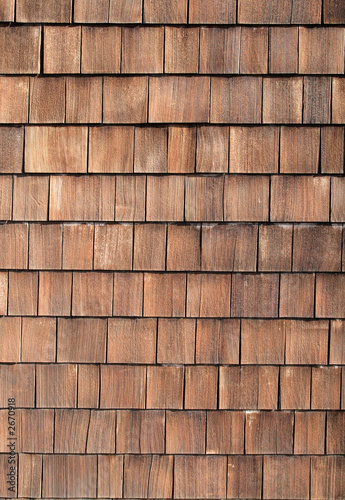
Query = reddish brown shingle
x=110 y=475
x=201 y=387
x=165 y=198
x=295 y=383
x=299 y=150
x=14 y=246
x=269 y=433
x=128 y=294
x=83 y=100
x=114 y=378
x=142 y=50
x=77 y=246
x=181 y=50
x=30 y=475
x=112 y=247
x=81 y=340
x=246 y=198
x=101 y=46
x=262 y=342
x=45 y=246
x=88 y=386
x=37 y=11
x=56 y=386
x=101 y=435
x=11 y=145
x=86 y=11
x=316 y=100
x=92 y=294
x=158 y=11
x=38 y=340
x=132 y=340
x=14 y=99
x=244 y=477
x=150 y=147
x=217 y=341
x=19 y=380
x=54 y=293
x=20 y=303
x=164 y=294
x=212 y=149
x=220 y=50
x=185 y=431
x=208 y=295
x=128 y=11
x=71 y=427
x=254 y=150
x=139 y=431
x=225 y=432
x=254 y=50
x=125 y=100
x=332 y=150
x=286 y=477
x=181 y=149
x=165 y=387
x=282 y=100
x=306 y=342
x=10 y=340
x=62 y=49
x=254 y=295
x=148 y=476
x=326 y=388
x=200 y=476
x=321 y=50
x=309 y=433
x=183 y=248
x=275 y=245
x=30 y=197
x=130 y=198
x=20 y=48
x=283 y=50
x=176 y=341
x=327 y=477
x=217 y=12
x=111 y=149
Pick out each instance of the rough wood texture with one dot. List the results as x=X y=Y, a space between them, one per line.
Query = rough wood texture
x=101 y=47
x=62 y=49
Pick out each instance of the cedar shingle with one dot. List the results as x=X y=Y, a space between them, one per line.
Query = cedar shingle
x=114 y=378
x=276 y=12
x=20 y=48
x=10 y=340
x=337 y=343
x=17 y=380
x=316 y=100
x=254 y=150
x=248 y=387
x=283 y=50
x=22 y=293
x=255 y=295
x=131 y=340
x=216 y=12
x=92 y=294
x=183 y=248
x=165 y=387
x=185 y=432
x=45 y=246
x=275 y=244
x=139 y=431
x=332 y=150
x=148 y=476
x=36 y=431
x=81 y=340
x=217 y=341
x=321 y=50
x=125 y=100
x=128 y=11
x=299 y=150
x=110 y=475
x=95 y=195
x=225 y=432
x=7 y=12
x=337 y=199
x=54 y=293
x=336 y=433
x=169 y=102
x=142 y=50
x=330 y=290
x=86 y=11
x=306 y=342
x=101 y=435
x=77 y=246
x=244 y=477
x=236 y=100
x=56 y=386
x=295 y=386
x=38 y=340
x=297 y=292
x=204 y=198
x=164 y=294
x=88 y=386
x=309 y=433
x=11 y=146
x=101 y=47
x=176 y=341
x=327 y=477
x=83 y=100
x=14 y=246
x=317 y=248
x=254 y=50
x=55 y=149
x=111 y=149
x=130 y=198
x=3 y=293
x=151 y=150
x=201 y=387
x=286 y=477
x=282 y=100
x=208 y=295
x=6 y=197
x=262 y=342
x=246 y=198
x=159 y=11
x=14 y=98
x=200 y=477
x=326 y=382
x=165 y=198
x=229 y=247
x=30 y=197
x=128 y=294
x=212 y=149
x=113 y=246
x=181 y=50
x=46 y=11
x=334 y=12
x=306 y=12
x=29 y=475
x=70 y=431
x=269 y=432
x=62 y=49
x=300 y=199
x=69 y=476
x=220 y=50
x=338 y=106
x=181 y=149
x=47 y=100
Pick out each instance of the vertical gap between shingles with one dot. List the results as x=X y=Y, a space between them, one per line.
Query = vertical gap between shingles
x=257 y=247
x=56 y=338
x=93 y=246
x=107 y=341
x=292 y=244
x=71 y=305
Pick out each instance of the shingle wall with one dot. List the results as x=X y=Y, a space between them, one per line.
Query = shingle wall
x=172 y=296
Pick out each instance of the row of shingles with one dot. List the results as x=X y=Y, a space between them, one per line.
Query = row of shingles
x=181 y=99
x=172 y=341
x=154 y=476
x=269 y=295
x=173 y=247
x=173 y=198
x=201 y=387
x=202 y=149
x=162 y=49
x=176 y=11
x=71 y=431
